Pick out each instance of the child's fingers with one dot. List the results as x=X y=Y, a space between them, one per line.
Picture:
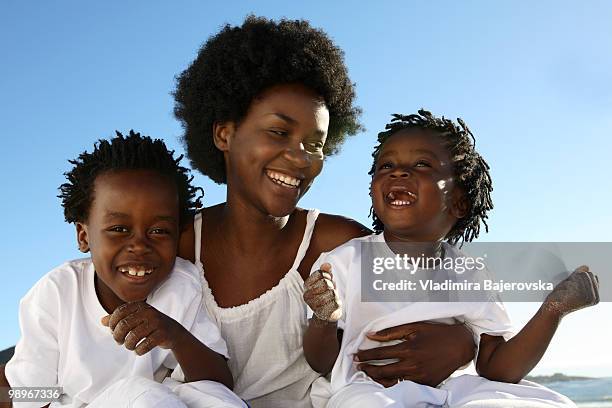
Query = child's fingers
x=326 y=267
x=125 y=326
x=105 y=320
x=149 y=343
x=125 y=310
x=582 y=268
x=136 y=335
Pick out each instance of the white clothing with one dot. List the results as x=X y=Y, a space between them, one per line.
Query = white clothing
x=64 y=344
x=466 y=391
x=361 y=317
x=264 y=336
x=140 y=392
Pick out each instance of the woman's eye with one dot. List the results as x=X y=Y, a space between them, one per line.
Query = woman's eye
x=422 y=163
x=317 y=145
x=279 y=132
x=158 y=231
x=386 y=165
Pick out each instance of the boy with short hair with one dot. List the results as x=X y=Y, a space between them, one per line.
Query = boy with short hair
x=109 y=328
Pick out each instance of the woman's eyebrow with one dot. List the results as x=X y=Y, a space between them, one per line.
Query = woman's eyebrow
x=283 y=117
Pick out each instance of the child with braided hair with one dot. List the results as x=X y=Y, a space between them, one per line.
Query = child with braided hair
x=430 y=189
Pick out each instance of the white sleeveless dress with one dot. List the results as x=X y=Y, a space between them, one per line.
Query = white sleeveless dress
x=264 y=336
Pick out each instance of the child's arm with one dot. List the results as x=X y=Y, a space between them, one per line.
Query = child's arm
x=141 y=327
x=510 y=361
x=321 y=345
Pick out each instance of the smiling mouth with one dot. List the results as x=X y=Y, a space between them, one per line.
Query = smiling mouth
x=400 y=198
x=136 y=270
x=284 y=180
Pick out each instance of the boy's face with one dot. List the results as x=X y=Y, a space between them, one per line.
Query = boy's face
x=132 y=232
x=413 y=191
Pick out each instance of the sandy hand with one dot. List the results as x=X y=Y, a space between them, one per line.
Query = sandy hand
x=140 y=327
x=579 y=290
x=321 y=295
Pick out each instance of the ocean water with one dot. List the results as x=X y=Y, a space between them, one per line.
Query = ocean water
x=593 y=393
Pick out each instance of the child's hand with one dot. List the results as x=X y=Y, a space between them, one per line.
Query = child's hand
x=579 y=290
x=141 y=327
x=321 y=295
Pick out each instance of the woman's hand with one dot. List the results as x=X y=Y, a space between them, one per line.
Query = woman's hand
x=429 y=353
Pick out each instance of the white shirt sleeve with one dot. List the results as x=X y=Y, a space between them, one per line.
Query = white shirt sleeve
x=36 y=359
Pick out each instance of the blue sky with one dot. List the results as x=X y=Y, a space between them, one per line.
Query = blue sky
x=533 y=81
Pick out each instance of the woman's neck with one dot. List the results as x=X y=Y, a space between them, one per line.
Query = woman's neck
x=249 y=230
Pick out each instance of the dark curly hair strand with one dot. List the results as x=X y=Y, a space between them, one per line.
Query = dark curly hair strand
x=470 y=169
x=121 y=153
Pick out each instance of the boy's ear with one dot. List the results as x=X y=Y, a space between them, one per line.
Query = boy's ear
x=82 y=238
x=461 y=205
x=222 y=134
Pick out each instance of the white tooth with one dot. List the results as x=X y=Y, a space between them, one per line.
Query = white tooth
x=148 y=271
x=132 y=272
x=141 y=273
x=283 y=179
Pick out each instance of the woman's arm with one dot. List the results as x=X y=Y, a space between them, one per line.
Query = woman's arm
x=429 y=354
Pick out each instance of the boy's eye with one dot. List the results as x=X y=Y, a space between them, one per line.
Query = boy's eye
x=158 y=231
x=118 y=228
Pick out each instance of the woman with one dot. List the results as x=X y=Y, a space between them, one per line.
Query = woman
x=262 y=104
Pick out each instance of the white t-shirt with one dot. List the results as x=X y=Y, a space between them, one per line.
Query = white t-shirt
x=359 y=318
x=64 y=344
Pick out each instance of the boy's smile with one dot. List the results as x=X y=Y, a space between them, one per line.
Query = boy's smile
x=132 y=233
x=413 y=192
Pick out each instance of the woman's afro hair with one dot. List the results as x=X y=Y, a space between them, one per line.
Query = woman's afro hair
x=238 y=63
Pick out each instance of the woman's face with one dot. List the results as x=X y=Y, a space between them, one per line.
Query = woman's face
x=273 y=155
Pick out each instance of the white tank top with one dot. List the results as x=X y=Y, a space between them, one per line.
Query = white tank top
x=264 y=336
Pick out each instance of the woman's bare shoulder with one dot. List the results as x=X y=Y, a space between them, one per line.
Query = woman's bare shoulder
x=186 y=247
x=330 y=231
x=333 y=230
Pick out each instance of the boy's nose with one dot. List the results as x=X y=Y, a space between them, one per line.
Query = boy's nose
x=139 y=245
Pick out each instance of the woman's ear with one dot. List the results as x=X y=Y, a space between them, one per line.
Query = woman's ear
x=82 y=239
x=222 y=134
x=460 y=205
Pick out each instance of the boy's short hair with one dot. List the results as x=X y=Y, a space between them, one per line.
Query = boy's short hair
x=134 y=152
x=238 y=63
x=471 y=171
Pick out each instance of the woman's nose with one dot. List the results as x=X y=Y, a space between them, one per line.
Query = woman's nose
x=298 y=156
